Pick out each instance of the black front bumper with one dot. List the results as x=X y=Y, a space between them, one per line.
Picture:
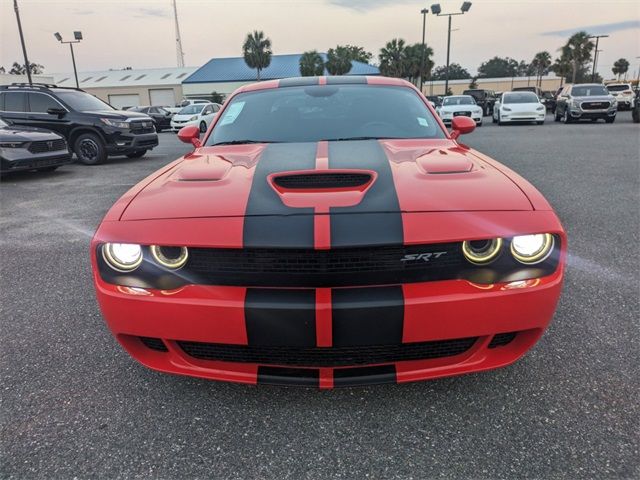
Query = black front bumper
x=120 y=143
x=34 y=162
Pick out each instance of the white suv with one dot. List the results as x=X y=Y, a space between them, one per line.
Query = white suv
x=623 y=93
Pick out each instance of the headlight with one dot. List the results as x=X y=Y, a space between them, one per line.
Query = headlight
x=481 y=252
x=540 y=107
x=506 y=109
x=122 y=257
x=195 y=117
x=170 y=257
x=531 y=249
x=114 y=123
x=12 y=144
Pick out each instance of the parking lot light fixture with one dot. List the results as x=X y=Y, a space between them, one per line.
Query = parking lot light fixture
x=77 y=35
x=424 y=12
x=436 y=10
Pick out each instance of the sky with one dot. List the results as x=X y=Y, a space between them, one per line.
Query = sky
x=140 y=33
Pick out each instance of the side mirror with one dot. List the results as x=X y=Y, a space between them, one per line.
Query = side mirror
x=60 y=112
x=462 y=126
x=190 y=134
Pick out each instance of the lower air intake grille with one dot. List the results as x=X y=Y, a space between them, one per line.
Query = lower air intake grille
x=327 y=356
x=154 y=344
x=322 y=180
x=48 y=146
x=502 y=339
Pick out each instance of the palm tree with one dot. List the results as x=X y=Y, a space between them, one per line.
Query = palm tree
x=392 y=58
x=578 y=52
x=541 y=63
x=413 y=57
x=257 y=51
x=620 y=67
x=338 y=60
x=311 y=64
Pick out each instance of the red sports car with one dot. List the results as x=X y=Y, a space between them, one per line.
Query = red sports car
x=329 y=231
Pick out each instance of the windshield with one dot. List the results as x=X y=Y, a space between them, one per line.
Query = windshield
x=192 y=109
x=82 y=101
x=522 y=97
x=618 y=88
x=458 y=101
x=589 y=91
x=327 y=112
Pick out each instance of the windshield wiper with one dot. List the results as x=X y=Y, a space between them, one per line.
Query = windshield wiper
x=241 y=142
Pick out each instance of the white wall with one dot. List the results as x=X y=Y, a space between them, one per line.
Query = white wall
x=6 y=79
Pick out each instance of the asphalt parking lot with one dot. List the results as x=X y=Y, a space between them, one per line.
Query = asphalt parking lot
x=74 y=404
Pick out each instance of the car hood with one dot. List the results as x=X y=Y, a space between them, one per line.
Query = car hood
x=598 y=98
x=400 y=176
x=460 y=108
x=26 y=134
x=522 y=107
x=118 y=114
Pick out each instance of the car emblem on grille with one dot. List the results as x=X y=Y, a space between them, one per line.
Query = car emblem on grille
x=426 y=256
x=50 y=145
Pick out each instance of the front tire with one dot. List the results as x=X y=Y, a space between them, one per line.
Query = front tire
x=566 y=118
x=138 y=154
x=500 y=122
x=610 y=119
x=636 y=115
x=541 y=122
x=203 y=127
x=89 y=149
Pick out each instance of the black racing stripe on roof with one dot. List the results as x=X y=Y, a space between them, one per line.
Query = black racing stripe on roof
x=280 y=317
x=367 y=316
x=377 y=219
x=268 y=221
x=298 y=82
x=346 y=80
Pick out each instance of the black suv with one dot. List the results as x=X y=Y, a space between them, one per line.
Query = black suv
x=485 y=99
x=93 y=128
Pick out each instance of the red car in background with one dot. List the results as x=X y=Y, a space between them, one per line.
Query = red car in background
x=329 y=231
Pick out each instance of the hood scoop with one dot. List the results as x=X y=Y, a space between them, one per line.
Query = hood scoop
x=322 y=180
x=207 y=168
x=442 y=162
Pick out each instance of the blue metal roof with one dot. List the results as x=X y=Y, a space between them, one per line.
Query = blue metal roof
x=234 y=69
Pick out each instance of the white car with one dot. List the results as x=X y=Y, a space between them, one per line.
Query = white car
x=459 y=105
x=185 y=103
x=199 y=114
x=519 y=107
x=623 y=93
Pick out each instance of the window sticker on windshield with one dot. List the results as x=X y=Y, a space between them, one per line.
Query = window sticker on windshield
x=232 y=113
x=423 y=122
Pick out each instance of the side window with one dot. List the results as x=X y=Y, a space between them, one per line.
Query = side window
x=207 y=110
x=15 y=102
x=152 y=110
x=40 y=103
x=216 y=108
x=1 y=102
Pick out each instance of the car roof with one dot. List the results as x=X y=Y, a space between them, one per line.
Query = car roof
x=325 y=80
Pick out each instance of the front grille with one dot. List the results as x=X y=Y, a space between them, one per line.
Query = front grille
x=318 y=268
x=139 y=128
x=322 y=180
x=327 y=356
x=48 y=146
x=461 y=114
x=594 y=105
x=154 y=343
x=502 y=339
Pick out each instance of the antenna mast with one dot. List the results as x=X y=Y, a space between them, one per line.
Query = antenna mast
x=179 y=51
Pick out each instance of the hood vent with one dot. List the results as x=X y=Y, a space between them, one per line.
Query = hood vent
x=306 y=181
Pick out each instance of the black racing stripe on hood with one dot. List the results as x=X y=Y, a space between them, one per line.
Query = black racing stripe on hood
x=268 y=221
x=377 y=218
x=280 y=317
x=367 y=316
x=298 y=82
x=348 y=377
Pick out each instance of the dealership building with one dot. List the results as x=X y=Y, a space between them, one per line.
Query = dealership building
x=131 y=88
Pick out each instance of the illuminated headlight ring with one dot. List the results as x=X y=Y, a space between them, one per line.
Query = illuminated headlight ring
x=122 y=257
x=482 y=252
x=532 y=249
x=172 y=258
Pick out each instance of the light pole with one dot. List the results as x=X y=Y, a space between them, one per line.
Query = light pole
x=438 y=12
x=424 y=12
x=595 y=55
x=77 y=37
x=24 y=48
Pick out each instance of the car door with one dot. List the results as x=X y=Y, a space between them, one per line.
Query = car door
x=208 y=114
x=38 y=115
x=496 y=107
x=14 y=108
x=164 y=117
x=563 y=99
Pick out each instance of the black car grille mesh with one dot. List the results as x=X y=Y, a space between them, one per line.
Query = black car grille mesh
x=322 y=180
x=140 y=128
x=327 y=356
x=48 y=146
x=594 y=105
x=319 y=268
x=154 y=344
x=502 y=339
